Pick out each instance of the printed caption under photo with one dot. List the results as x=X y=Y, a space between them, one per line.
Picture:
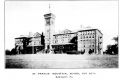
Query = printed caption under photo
x=65 y=74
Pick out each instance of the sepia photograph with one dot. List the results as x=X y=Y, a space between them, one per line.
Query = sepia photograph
x=61 y=34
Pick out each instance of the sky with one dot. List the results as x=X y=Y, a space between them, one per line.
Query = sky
x=22 y=17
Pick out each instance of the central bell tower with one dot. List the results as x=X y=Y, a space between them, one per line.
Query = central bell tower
x=49 y=30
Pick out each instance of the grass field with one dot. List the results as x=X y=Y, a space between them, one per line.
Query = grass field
x=54 y=61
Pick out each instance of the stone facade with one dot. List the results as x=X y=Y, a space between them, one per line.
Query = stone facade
x=85 y=41
x=29 y=44
x=64 y=38
x=90 y=41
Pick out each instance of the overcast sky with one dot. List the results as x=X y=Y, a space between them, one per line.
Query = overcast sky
x=22 y=17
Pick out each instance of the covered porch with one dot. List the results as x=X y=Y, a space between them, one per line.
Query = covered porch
x=64 y=48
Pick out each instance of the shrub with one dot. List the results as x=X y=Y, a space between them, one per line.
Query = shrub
x=13 y=51
x=7 y=52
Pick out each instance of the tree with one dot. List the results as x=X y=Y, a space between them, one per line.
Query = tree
x=74 y=40
x=113 y=49
x=25 y=42
x=115 y=39
x=13 y=51
x=42 y=39
x=7 y=52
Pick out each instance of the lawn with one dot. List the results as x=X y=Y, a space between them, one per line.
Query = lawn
x=62 y=61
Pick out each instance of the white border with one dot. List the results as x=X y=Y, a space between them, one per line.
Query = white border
x=26 y=74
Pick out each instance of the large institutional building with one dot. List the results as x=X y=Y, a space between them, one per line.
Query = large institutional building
x=29 y=44
x=85 y=41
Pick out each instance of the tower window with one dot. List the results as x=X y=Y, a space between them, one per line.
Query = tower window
x=84 y=36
